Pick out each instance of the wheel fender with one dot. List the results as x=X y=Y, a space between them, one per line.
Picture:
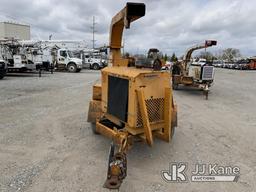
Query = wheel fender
x=94 y=111
x=72 y=63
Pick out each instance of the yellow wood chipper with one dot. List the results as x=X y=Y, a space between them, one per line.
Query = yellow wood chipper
x=198 y=74
x=131 y=103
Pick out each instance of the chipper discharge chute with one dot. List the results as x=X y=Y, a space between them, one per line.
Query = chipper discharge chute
x=131 y=103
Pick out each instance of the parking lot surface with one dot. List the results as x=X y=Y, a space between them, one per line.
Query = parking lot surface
x=47 y=145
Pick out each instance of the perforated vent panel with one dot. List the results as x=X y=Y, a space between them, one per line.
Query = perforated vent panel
x=155 y=109
x=208 y=72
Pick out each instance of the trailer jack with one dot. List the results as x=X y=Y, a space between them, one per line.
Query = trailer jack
x=117 y=168
x=206 y=91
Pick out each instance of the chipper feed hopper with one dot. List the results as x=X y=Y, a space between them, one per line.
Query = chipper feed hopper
x=131 y=103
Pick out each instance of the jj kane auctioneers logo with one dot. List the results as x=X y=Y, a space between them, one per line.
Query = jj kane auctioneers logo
x=201 y=173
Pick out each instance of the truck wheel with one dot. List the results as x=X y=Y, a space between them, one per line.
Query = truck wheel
x=96 y=66
x=175 y=86
x=172 y=132
x=2 y=74
x=72 y=68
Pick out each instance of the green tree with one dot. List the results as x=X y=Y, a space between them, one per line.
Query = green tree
x=174 y=58
x=230 y=54
x=165 y=57
x=206 y=55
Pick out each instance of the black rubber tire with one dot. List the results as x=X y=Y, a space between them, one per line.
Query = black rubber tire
x=175 y=86
x=206 y=93
x=72 y=68
x=93 y=126
x=95 y=66
x=2 y=74
x=173 y=132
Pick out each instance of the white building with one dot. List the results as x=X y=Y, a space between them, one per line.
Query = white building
x=14 y=30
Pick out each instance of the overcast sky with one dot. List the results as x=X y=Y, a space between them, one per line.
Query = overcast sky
x=169 y=25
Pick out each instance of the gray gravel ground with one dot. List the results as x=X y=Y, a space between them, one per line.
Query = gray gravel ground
x=47 y=145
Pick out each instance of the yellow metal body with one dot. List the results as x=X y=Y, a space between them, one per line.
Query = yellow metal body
x=149 y=101
x=130 y=13
x=149 y=109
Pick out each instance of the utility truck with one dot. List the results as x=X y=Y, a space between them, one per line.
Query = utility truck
x=23 y=56
x=20 y=56
x=92 y=58
x=62 y=59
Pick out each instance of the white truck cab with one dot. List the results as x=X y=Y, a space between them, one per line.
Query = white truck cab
x=93 y=61
x=65 y=59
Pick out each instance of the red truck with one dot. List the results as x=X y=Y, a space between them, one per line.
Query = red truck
x=252 y=63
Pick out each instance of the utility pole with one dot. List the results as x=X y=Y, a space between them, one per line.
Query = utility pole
x=93 y=32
